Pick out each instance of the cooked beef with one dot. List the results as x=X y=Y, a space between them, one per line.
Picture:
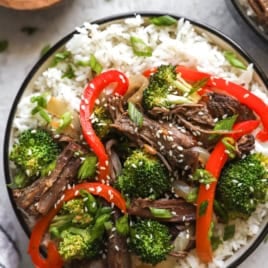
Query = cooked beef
x=245 y=144
x=260 y=7
x=181 y=210
x=118 y=255
x=220 y=105
x=47 y=189
x=174 y=143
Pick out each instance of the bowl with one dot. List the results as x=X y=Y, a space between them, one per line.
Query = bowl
x=213 y=35
x=240 y=10
x=28 y=5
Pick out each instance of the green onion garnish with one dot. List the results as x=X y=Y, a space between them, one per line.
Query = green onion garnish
x=233 y=60
x=161 y=213
x=203 y=208
x=165 y=20
x=203 y=176
x=140 y=48
x=69 y=73
x=134 y=114
x=44 y=50
x=65 y=121
x=229 y=231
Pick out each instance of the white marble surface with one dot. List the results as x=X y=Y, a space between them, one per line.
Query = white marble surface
x=55 y=22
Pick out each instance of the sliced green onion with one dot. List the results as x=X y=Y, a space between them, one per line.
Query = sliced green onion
x=44 y=50
x=140 y=48
x=229 y=231
x=203 y=208
x=59 y=57
x=30 y=30
x=220 y=211
x=40 y=100
x=231 y=57
x=197 y=85
x=3 y=45
x=211 y=229
x=134 y=114
x=88 y=167
x=93 y=63
x=229 y=144
x=161 y=213
x=69 y=73
x=192 y=196
x=203 y=176
x=224 y=124
x=165 y=20
x=215 y=242
x=65 y=121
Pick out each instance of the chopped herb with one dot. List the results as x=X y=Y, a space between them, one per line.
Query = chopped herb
x=69 y=73
x=65 y=121
x=165 y=20
x=140 y=48
x=44 y=50
x=93 y=63
x=88 y=167
x=30 y=30
x=203 y=208
x=220 y=211
x=229 y=231
x=197 y=85
x=229 y=144
x=59 y=57
x=224 y=124
x=215 y=242
x=231 y=57
x=211 y=229
x=41 y=103
x=122 y=226
x=134 y=114
x=203 y=176
x=161 y=213
x=192 y=196
x=3 y=45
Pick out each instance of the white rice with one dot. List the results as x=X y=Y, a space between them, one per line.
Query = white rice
x=178 y=45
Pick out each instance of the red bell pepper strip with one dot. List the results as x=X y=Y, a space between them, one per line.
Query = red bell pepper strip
x=214 y=165
x=53 y=257
x=91 y=93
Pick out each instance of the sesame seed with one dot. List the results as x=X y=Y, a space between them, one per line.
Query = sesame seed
x=174 y=213
x=83 y=107
x=91 y=189
x=91 y=85
x=224 y=116
x=183 y=218
x=99 y=189
x=180 y=148
x=215 y=120
x=102 y=168
x=97 y=102
x=76 y=193
x=207 y=186
x=133 y=165
x=251 y=189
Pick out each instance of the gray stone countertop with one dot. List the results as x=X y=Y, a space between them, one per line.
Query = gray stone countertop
x=56 y=22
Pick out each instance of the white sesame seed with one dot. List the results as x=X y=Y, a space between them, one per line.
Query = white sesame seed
x=91 y=189
x=76 y=193
x=180 y=148
x=99 y=189
x=102 y=168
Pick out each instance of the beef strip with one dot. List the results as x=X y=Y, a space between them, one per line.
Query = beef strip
x=118 y=255
x=220 y=105
x=181 y=210
x=172 y=142
x=245 y=144
x=27 y=197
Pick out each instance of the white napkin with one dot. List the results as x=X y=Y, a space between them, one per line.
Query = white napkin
x=9 y=252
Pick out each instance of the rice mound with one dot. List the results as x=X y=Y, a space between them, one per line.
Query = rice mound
x=178 y=44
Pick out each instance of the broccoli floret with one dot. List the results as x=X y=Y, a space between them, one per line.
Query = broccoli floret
x=243 y=185
x=101 y=121
x=143 y=175
x=34 y=152
x=150 y=240
x=164 y=89
x=78 y=244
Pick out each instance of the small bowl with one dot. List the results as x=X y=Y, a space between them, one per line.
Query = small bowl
x=215 y=36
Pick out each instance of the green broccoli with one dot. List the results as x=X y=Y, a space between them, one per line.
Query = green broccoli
x=34 y=154
x=165 y=89
x=78 y=244
x=150 y=240
x=143 y=175
x=101 y=121
x=79 y=227
x=243 y=185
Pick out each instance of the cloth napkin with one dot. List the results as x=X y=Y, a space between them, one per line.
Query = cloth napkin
x=9 y=252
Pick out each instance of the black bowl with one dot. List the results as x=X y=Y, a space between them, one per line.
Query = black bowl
x=217 y=37
x=239 y=11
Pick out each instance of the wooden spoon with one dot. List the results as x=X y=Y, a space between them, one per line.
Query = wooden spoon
x=27 y=4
